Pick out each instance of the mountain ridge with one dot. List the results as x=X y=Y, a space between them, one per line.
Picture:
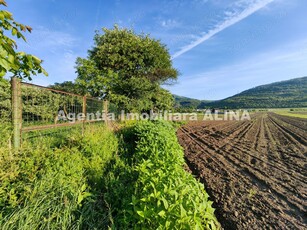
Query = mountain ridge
x=283 y=94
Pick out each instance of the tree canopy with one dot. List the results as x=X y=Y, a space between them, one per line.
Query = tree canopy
x=68 y=86
x=22 y=65
x=127 y=68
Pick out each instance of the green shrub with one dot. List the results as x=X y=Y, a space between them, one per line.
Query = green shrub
x=151 y=190
x=166 y=195
x=5 y=100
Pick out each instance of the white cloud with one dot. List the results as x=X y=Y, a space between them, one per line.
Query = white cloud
x=42 y=37
x=231 y=17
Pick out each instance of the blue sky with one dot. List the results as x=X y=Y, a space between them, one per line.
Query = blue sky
x=220 y=47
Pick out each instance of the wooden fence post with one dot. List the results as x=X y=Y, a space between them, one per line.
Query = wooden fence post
x=16 y=111
x=84 y=114
x=105 y=109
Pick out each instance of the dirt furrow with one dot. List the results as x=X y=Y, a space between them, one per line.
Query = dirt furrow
x=277 y=151
x=291 y=143
x=246 y=183
x=254 y=170
x=258 y=175
x=238 y=144
x=228 y=175
x=293 y=135
x=235 y=143
x=298 y=123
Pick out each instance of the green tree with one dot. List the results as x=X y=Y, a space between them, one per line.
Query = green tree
x=68 y=86
x=163 y=99
x=22 y=65
x=126 y=68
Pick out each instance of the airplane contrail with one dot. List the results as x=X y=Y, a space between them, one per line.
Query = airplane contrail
x=225 y=24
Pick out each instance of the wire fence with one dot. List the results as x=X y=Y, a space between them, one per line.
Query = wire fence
x=37 y=108
x=44 y=107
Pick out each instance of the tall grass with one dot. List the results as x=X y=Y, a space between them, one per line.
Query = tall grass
x=45 y=186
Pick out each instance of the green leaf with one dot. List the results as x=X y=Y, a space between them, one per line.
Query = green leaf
x=1 y=16
x=36 y=59
x=165 y=203
x=83 y=187
x=140 y=213
x=2 y=2
x=14 y=31
x=134 y=200
x=2 y=72
x=13 y=61
x=183 y=212
x=161 y=213
x=5 y=63
x=80 y=198
x=11 y=58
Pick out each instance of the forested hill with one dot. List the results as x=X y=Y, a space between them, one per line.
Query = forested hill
x=285 y=94
x=185 y=102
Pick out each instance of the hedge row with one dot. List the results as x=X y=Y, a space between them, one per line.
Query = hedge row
x=156 y=192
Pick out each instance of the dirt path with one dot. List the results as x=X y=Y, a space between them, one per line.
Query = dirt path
x=255 y=171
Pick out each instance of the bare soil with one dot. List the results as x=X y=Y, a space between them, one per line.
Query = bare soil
x=254 y=171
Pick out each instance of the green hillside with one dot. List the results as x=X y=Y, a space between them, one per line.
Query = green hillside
x=185 y=102
x=285 y=94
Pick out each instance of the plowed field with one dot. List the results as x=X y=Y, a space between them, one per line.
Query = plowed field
x=255 y=171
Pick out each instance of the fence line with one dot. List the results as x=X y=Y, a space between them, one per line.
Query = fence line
x=16 y=112
x=36 y=107
x=51 y=89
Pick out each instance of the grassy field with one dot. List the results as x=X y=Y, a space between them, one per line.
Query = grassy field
x=54 y=181
x=298 y=112
x=294 y=114
x=102 y=179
